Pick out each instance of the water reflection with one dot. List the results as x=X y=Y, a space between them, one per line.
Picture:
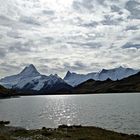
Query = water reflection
x=61 y=112
x=115 y=112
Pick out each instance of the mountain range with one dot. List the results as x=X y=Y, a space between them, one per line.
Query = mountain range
x=119 y=73
x=30 y=81
x=127 y=85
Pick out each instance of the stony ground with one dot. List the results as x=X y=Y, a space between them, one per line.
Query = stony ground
x=63 y=132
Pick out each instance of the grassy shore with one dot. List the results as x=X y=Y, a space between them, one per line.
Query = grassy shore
x=63 y=132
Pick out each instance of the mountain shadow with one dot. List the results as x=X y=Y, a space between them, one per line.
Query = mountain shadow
x=130 y=84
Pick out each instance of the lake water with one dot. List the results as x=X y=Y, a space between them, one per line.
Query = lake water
x=118 y=112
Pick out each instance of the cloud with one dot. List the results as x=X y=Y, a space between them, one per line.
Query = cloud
x=131 y=45
x=13 y=34
x=87 y=44
x=2 y=53
x=48 y=12
x=48 y=40
x=133 y=7
x=29 y=20
x=109 y=20
x=132 y=28
x=83 y=5
x=78 y=35
x=77 y=65
x=90 y=24
x=115 y=8
x=5 y=21
x=87 y=5
x=18 y=47
x=1 y=36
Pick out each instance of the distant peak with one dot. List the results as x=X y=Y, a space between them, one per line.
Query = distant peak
x=108 y=79
x=30 y=70
x=114 y=69
x=121 y=67
x=104 y=70
x=68 y=73
x=31 y=65
x=56 y=75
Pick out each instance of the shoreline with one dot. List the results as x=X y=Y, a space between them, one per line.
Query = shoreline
x=20 y=95
x=63 y=132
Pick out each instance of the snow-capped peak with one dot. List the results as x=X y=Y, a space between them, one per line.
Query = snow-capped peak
x=114 y=74
x=120 y=68
x=26 y=74
x=29 y=71
x=30 y=79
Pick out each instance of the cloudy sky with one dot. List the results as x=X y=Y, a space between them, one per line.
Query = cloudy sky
x=77 y=35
